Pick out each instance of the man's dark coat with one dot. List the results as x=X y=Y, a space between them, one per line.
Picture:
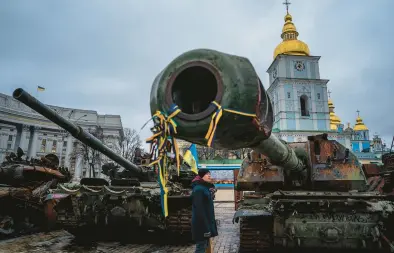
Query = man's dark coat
x=203 y=216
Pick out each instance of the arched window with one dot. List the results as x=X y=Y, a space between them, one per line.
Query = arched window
x=304 y=105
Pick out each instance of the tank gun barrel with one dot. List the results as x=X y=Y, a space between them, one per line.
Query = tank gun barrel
x=222 y=92
x=280 y=154
x=76 y=131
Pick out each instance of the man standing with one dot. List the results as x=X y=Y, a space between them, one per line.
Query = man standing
x=203 y=216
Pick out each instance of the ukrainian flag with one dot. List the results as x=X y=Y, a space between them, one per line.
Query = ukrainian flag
x=191 y=158
x=40 y=88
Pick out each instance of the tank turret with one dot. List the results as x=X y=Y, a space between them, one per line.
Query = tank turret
x=78 y=133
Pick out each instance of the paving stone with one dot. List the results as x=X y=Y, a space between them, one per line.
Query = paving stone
x=62 y=242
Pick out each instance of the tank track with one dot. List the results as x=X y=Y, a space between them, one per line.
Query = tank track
x=255 y=234
x=180 y=222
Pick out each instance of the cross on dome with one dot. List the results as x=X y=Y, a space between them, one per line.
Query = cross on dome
x=287 y=3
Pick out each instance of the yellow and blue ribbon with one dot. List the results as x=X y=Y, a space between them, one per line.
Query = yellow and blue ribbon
x=165 y=128
x=216 y=118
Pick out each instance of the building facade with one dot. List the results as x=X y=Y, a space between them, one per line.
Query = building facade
x=22 y=127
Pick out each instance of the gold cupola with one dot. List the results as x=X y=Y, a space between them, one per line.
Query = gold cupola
x=290 y=44
x=360 y=126
x=334 y=119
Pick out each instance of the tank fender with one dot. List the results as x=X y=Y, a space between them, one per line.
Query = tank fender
x=250 y=213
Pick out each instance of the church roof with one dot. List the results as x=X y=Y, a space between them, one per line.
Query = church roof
x=360 y=126
x=334 y=119
x=290 y=44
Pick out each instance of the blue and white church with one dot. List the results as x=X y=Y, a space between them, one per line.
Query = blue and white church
x=301 y=101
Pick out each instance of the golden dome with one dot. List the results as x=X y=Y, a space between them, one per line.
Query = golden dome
x=334 y=119
x=290 y=44
x=360 y=126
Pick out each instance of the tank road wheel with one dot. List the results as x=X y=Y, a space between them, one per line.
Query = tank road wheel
x=255 y=234
x=179 y=226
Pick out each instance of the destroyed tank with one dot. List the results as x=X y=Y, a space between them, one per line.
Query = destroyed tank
x=118 y=208
x=304 y=195
x=23 y=187
x=129 y=203
x=381 y=177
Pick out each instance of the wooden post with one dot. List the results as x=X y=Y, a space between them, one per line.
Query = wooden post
x=237 y=194
x=210 y=246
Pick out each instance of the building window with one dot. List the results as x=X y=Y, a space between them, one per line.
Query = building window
x=54 y=145
x=288 y=94
x=9 y=146
x=304 y=105
x=9 y=137
x=43 y=145
x=318 y=95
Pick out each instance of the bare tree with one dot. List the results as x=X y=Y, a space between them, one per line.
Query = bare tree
x=205 y=153
x=241 y=153
x=127 y=145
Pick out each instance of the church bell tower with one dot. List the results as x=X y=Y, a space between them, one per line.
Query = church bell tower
x=298 y=95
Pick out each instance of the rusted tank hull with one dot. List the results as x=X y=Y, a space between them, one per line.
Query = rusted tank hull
x=314 y=220
x=23 y=185
x=21 y=212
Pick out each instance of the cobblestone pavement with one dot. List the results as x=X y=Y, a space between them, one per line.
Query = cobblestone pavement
x=62 y=242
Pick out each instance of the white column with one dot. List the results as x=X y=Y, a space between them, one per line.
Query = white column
x=313 y=106
x=22 y=144
x=296 y=108
x=59 y=147
x=282 y=106
x=33 y=143
x=78 y=168
x=68 y=151
x=78 y=164
x=3 y=146
x=3 y=141
x=18 y=136
x=2 y=155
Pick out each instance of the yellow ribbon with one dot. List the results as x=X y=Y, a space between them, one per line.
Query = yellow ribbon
x=164 y=124
x=165 y=131
x=216 y=118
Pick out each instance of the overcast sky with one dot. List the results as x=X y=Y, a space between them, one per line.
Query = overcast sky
x=104 y=55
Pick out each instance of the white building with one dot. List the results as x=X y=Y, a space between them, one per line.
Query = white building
x=22 y=127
